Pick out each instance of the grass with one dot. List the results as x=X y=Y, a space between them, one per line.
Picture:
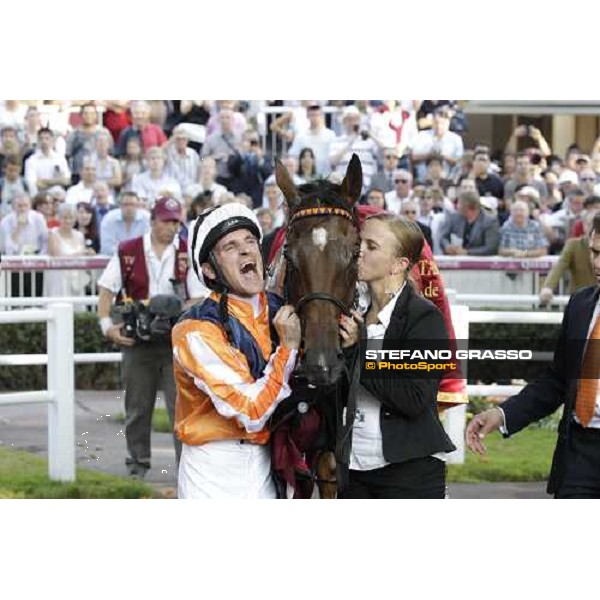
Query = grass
x=524 y=457
x=23 y=475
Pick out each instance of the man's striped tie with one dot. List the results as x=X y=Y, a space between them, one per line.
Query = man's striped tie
x=587 y=390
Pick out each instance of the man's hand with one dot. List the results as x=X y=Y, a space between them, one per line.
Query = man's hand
x=480 y=426
x=349 y=329
x=114 y=335
x=546 y=295
x=455 y=250
x=534 y=133
x=521 y=131
x=287 y=325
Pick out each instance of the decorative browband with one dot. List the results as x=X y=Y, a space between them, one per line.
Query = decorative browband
x=322 y=210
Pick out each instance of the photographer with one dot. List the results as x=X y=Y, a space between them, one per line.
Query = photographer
x=142 y=269
x=524 y=176
x=255 y=169
x=530 y=132
x=354 y=141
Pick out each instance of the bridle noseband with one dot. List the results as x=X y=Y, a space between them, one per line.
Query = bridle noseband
x=303 y=214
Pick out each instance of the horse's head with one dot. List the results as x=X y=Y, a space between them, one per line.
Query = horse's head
x=322 y=245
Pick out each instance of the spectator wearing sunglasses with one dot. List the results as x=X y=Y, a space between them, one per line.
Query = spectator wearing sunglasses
x=401 y=193
x=384 y=179
x=435 y=174
x=410 y=210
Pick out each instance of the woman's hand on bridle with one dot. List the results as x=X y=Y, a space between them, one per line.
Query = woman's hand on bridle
x=350 y=328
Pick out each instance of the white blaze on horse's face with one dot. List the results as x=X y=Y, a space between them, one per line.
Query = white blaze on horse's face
x=319 y=236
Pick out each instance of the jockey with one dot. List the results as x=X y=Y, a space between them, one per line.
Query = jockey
x=233 y=356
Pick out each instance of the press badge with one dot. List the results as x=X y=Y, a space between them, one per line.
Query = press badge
x=359 y=418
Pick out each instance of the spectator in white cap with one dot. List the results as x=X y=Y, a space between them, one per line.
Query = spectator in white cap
x=354 y=141
x=567 y=181
x=528 y=193
x=183 y=163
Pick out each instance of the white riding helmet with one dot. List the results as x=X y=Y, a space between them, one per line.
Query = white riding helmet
x=213 y=224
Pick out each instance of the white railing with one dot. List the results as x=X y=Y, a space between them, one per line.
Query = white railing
x=43 y=300
x=498 y=316
x=508 y=299
x=60 y=395
x=16 y=270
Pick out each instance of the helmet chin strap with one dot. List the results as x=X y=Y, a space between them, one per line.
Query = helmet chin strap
x=221 y=286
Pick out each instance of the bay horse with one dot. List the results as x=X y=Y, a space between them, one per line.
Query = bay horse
x=320 y=258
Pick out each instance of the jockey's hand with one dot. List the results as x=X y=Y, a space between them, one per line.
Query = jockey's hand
x=349 y=328
x=287 y=325
x=114 y=335
x=480 y=426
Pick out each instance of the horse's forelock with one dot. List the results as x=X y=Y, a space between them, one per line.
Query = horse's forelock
x=323 y=191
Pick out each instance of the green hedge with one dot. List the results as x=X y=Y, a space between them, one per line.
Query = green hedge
x=30 y=338
x=517 y=336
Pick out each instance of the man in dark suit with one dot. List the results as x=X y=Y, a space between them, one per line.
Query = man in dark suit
x=470 y=231
x=572 y=380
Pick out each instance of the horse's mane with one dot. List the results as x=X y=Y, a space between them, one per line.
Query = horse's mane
x=322 y=193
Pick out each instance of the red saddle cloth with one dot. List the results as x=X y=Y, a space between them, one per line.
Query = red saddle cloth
x=290 y=443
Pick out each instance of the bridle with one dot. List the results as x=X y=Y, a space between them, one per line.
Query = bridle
x=344 y=423
x=289 y=266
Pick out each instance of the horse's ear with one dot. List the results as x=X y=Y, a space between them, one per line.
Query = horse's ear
x=286 y=185
x=352 y=183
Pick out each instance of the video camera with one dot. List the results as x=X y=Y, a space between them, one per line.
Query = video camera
x=147 y=320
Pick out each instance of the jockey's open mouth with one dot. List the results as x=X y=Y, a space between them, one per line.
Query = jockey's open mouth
x=248 y=267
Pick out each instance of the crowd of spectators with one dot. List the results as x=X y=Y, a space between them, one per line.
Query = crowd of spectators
x=111 y=160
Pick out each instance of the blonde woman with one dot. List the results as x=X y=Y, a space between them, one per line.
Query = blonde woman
x=398 y=441
x=65 y=241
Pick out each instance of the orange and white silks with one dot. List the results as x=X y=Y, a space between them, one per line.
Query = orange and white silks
x=217 y=397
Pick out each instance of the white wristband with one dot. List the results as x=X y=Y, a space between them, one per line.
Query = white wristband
x=105 y=324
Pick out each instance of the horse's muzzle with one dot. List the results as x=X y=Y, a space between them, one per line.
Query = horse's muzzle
x=321 y=367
